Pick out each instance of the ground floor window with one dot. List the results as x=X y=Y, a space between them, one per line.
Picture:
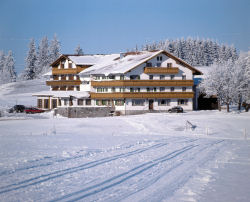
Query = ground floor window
x=119 y=102
x=54 y=103
x=78 y=88
x=40 y=103
x=182 y=101
x=46 y=103
x=59 y=102
x=65 y=102
x=80 y=102
x=88 y=102
x=138 y=102
x=164 y=102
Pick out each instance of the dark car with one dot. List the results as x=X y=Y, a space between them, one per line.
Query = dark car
x=176 y=109
x=33 y=110
x=17 y=108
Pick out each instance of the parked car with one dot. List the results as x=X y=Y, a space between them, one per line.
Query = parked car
x=176 y=109
x=33 y=110
x=17 y=108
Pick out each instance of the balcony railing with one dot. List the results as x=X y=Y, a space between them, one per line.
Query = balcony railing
x=161 y=70
x=142 y=95
x=142 y=83
x=56 y=71
x=63 y=83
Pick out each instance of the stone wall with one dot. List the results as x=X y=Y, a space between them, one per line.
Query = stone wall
x=79 y=112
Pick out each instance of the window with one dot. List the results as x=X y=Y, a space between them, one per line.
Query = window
x=138 y=102
x=97 y=78
x=148 y=89
x=172 y=77
x=137 y=90
x=184 y=89
x=54 y=103
x=62 y=65
x=70 y=101
x=169 y=64
x=122 y=89
x=88 y=101
x=105 y=77
x=119 y=102
x=101 y=90
x=71 y=77
x=164 y=102
x=65 y=102
x=70 y=65
x=113 y=89
x=59 y=102
x=134 y=77
x=132 y=90
x=55 y=77
x=111 y=76
x=183 y=77
x=46 y=103
x=154 y=89
x=151 y=77
x=182 y=101
x=98 y=102
x=172 y=89
x=162 y=89
x=148 y=64
x=159 y=58
x=63 y=77
x=40 y=103
x=78 y=88
x=158 y=64
x=80 y=102
x=104 y=102
x=121 y=77
x=162 y=77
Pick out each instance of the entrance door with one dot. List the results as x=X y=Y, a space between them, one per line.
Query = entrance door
x=151 y=104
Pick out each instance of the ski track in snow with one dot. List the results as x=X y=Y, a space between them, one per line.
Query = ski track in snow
x=143 y=170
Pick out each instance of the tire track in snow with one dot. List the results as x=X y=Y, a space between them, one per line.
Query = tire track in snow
x=116 y=180
x=52 y=175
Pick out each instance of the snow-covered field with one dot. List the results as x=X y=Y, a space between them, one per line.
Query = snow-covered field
x=150 y=157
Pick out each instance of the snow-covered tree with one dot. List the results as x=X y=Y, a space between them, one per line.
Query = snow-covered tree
x=43 y=61
x=78 y=50
x=54 y=49
x=2 y=60
x=29 y=71
x=8 y=71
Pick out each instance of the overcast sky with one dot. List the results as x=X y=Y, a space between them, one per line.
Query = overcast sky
x=106 y=26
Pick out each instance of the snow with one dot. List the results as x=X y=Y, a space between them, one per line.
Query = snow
x=120 y=66
x=150 y=157
x=92 y=59
x=21 y=92
x=77 y=94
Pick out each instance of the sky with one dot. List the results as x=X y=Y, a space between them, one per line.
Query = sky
x=113 y=26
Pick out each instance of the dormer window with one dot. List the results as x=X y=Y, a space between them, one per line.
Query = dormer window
x=169 y=65
x=70 y=65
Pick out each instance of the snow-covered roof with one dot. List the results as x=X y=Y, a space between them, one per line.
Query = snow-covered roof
x=92 y=59
x=120 y=65
x=77 y=94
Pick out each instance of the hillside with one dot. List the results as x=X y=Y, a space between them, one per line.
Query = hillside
x=21 y=92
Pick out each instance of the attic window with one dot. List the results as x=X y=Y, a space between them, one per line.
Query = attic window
x=169 y=64
x=70 y=65
x=148 y=64
x=159 y=58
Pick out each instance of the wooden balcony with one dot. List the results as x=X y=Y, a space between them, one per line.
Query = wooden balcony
x=142 y=95
x=63 y=83
x=78 y=69
x=161 y=70
x=142 y=83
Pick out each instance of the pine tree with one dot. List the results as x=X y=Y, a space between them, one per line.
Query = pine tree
x=2 y=60
x=29 y=71
x=8 y=72
x=43 y=62
x=78 y=50
x=54 y=49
